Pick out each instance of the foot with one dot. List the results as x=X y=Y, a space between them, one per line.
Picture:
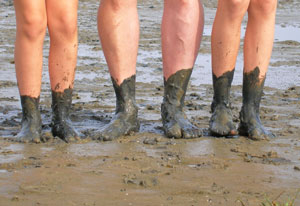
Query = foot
x=122 y=124
x=176 y=125
x=30 y=132
x=61 y=123
x=251 y=126
x=65 y=131
x=31 y=129
x=221 y=123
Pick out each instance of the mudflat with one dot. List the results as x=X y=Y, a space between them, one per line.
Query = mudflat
x=146 y=168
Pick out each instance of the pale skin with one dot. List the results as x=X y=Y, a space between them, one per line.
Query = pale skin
x=258 y=41
x=118 y=28
x=33 y=17
x=258 y=46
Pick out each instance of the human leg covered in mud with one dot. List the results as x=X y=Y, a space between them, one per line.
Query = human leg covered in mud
x=182 y=28
x=118 y=28
x=257 y=52
x=32 y=20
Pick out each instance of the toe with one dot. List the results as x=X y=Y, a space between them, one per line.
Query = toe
x=173 y=131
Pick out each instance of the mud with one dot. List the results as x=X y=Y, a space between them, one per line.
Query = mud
x=61 y=123
x=250 y=124
x=125 y=120
x=221 y=122
x=175 y=122
x=31 y=124
x=147 y=168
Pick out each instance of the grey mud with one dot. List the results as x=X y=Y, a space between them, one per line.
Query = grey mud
x=250 y=123
x=175 y=123
x=221 y=122
x=125 y=119
x=61 y=123
x=31 y=128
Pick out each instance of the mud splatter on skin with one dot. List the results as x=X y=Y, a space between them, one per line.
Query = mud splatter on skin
x=31 y=121
x=221 y=123
x=125 y=120
x=175 y=123
x=61 y=123
x=250 y=124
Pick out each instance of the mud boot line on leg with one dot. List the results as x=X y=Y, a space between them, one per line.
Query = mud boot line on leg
x=125 y=120
x=175 y=123
x=250 y=123
x=31 y=128
x=61 y=123
x=221 y=122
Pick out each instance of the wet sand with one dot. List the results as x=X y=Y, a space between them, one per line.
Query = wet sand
x=146 y=168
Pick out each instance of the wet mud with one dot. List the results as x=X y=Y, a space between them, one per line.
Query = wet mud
x=250 y=124
x=61 y=124
x=146 y=168
x=175 y=122
x=125 y=120
x=31 y=126
x=221 y=121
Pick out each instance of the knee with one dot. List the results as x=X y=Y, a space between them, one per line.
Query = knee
x=265 y=7
x=64 y=26
x=235 y=8
x=117 y=5
x=32 y=27
x=183 y=5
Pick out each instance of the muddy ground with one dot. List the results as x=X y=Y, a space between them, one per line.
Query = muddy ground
x=147 y=168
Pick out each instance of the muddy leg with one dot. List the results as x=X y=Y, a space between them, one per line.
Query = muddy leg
x=250 y=124
x=175 y=123
x=125 y=120
x=221 y=123
x=31 y=121
x=61 y=123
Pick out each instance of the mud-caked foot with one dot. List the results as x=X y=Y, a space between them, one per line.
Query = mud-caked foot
x=221 y=123
x=179 y=127
x=122 y=124
x=61 y=123
x=175 y=123
x=250 y=124
x=125 y=120
x=31 y=128
x=251 y=127
x=65 y=131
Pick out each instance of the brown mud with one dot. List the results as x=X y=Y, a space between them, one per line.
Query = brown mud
x=147 y=168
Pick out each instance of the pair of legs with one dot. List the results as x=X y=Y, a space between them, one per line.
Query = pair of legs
x=182 y=28
x=258 y=45
x=33 y=17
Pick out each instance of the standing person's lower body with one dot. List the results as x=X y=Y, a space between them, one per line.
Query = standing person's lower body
x=118 y=28
x=33 y=17
x=182 y=28
x=258 y=45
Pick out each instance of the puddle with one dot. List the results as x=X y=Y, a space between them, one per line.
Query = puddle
x=94 y=149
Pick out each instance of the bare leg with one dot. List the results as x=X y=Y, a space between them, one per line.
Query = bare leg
x=118 y=28
x=31 y=27
x=62 y=25
x=257 y=53
x=182 y=28
x=225 y=44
